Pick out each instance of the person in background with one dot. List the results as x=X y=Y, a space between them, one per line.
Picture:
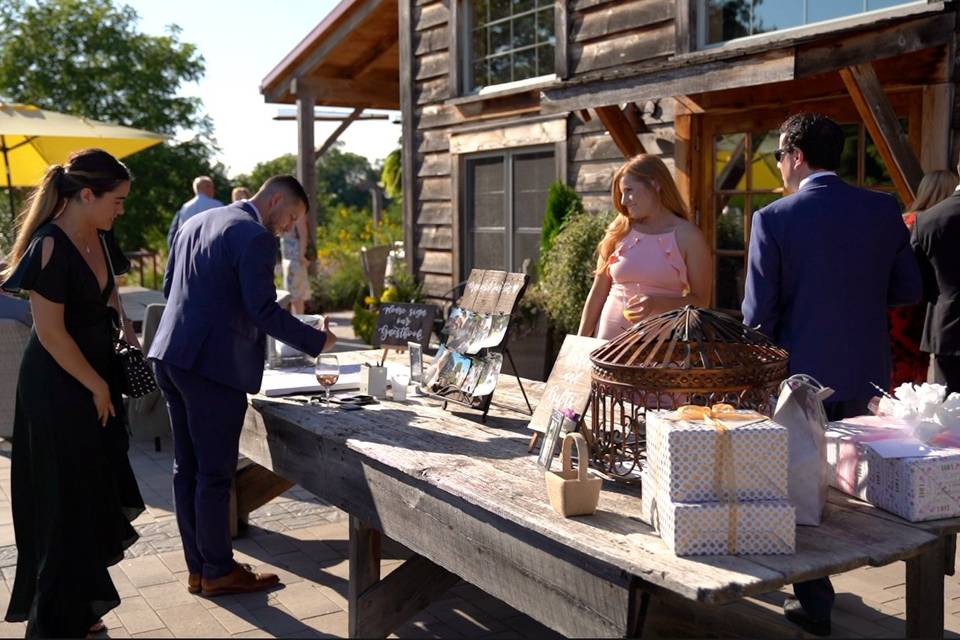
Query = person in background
x=825 y=263
x=935 y=240
x=293 y=250
x=239 y=193
x=73 y=492
x=652 y=258
x=910 y=363
x=208 y=355
x=203 y=199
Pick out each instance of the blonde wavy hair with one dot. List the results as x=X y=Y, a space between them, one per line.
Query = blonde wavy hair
x=647 y=167
x=935 y=186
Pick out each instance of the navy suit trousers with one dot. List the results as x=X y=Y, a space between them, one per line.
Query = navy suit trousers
x=206 y=418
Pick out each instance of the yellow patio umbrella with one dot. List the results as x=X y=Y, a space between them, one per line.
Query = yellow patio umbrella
x=31 y=139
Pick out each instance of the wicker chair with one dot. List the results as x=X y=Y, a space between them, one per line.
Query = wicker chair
x=13 y=340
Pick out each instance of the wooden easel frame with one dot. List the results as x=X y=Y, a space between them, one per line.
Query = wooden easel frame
x=491 y=292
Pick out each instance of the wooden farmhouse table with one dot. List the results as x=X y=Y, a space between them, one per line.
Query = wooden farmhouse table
x=469 y=502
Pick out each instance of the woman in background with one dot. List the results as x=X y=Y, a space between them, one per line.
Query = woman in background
x=652 y=259
x=906 y=322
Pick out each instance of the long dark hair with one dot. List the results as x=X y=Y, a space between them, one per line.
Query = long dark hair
x=93 y=169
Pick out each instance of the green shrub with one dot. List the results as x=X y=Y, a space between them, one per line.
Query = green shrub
x=568 y=269
x=562 y=202
x=364 y=322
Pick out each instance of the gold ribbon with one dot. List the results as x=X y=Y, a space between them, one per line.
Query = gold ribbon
x=723 y=469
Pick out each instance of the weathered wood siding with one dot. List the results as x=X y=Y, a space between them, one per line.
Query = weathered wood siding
x=602 y=34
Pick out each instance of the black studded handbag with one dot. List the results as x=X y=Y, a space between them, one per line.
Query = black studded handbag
x=138 y=378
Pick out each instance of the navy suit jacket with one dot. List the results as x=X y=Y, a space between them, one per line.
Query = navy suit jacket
x=221 y=300
x=824 y=265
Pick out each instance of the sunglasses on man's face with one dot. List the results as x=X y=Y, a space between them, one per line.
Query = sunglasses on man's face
x=780 y=153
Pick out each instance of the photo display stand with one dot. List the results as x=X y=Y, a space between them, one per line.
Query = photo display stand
x=467 y=366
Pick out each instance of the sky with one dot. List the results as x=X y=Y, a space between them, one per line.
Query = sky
x=241 y=41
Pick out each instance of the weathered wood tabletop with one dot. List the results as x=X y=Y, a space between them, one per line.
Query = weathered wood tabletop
x=469 y=501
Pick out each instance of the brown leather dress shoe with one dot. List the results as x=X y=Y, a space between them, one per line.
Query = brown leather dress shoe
x=193 y=583
x=241 y=580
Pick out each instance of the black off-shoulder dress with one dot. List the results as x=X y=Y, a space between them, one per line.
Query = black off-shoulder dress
x=74 y=494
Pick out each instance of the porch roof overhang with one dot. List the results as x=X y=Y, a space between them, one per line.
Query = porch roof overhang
x=806 y=53
x=351 y=59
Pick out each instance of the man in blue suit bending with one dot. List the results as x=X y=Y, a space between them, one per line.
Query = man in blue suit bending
x=825 y=263
x=209 y=352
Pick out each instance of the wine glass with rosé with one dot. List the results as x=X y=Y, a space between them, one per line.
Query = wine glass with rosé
x=327 y=371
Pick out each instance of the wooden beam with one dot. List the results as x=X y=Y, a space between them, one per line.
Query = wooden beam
x=408 y=121
x=761 y=69
x=881 y=121
x=685 y=156
x=256 y=486
x=358 y=68
x=366 y=92
x=306 y=162
x=618 y=126
x=561 y=61
x=329 y=142
x=689 y=104
x=925 y=593
x=364 y=571
x=330 y=117
x=408 y=590
x=935 y=128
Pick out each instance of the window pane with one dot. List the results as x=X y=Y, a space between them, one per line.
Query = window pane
x=727 y=19
x=545 y=60
x=479 y=71
x=883 y=4
x=729 y=282
x=817 y=11
x=525 y=31
x=488 y=250
x=525 y=64
x=478 y=13
x=478 y=44
x=760 y=200
x=532 y=175
x=488 y=187
x=499 y=69
x=848 y=159
x=771 y=15
x=874 y=170
x=499 y=9
x=520 y=6
x=545 y=25
x=764 y=172
x=730 y=225
x=730 y=154
x=500 y=37
x=526 y=246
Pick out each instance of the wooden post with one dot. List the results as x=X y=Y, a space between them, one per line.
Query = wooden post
x=687 y=127
x=878 y=115
x=332 y=138
x=618 y=126
x=925 y=593
x=306 y=160
x=364 y=570
x=409 y=126
x=935 y=128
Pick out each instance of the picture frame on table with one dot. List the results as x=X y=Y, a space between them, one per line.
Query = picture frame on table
x=416 y=362
x=550 y=438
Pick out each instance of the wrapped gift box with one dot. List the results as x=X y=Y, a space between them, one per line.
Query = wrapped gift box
x=872 y=458
x=682 y=454
x=765 y=527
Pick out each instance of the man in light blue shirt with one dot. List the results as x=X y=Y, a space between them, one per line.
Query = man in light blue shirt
x=203 y=200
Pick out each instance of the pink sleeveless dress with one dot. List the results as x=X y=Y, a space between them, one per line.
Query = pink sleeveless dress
x=649 y=264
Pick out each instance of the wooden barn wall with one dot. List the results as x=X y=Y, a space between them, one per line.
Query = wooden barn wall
x=610 y=33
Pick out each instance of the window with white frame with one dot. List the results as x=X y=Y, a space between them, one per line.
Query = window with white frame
x=506 y=198
x=720 y=21
x=507 y=41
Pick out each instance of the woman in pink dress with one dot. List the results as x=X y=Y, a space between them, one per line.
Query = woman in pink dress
x=652 y=259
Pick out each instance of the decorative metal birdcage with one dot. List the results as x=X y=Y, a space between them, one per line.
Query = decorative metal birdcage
x=685 y=356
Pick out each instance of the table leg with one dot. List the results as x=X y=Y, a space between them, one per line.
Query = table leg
x=364 y=568
x=925 y=593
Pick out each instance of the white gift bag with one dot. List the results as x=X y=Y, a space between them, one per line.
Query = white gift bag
x=800 y=410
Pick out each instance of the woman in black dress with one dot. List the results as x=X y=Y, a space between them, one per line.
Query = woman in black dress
x=74 y=494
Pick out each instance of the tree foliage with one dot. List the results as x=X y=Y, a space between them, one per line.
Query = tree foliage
x=563 y=201
x=392 y=174
x=88 y=58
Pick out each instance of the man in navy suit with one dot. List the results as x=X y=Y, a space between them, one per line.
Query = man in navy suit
x=209 y=352
x=824 y=264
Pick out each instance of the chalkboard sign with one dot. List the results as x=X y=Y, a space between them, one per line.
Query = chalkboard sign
x=569 y=383
x=399 y=323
